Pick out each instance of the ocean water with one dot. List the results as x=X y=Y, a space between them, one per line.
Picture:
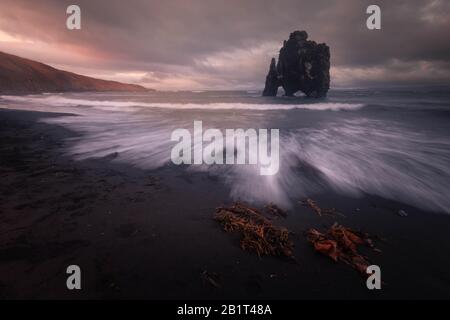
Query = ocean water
x=394 y=143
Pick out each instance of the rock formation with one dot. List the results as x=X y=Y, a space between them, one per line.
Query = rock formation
x=272 y=82
x=303 y=65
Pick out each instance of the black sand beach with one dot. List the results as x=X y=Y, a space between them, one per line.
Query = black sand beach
x=150 y=233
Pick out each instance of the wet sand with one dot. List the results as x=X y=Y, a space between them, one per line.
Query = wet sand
x=150 y=234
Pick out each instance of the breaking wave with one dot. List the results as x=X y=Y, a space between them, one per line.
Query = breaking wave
x=348 y=153
x=61 y=101
x=353 y=157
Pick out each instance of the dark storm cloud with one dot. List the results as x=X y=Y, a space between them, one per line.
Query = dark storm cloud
x=213 y=43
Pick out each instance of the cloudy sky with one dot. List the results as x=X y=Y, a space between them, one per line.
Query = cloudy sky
x=228 y=44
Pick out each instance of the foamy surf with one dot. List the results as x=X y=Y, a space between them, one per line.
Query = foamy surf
x=403 y=158
x=352 y=157
x=56 y=100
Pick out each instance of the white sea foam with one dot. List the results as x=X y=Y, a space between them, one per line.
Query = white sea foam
x=352 y=156
x=62 y=101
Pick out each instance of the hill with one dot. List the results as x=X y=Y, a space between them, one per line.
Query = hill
x=21 y=76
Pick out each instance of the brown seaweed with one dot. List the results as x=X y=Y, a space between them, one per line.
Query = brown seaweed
x=259 y=234
x=275 y=210
x=341 y=244
x=320 y=211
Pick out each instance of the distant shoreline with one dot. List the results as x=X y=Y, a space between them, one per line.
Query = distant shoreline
x=23 y=76
x=16 y=93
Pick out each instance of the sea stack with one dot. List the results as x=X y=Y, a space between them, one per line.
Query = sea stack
x=303 y=65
